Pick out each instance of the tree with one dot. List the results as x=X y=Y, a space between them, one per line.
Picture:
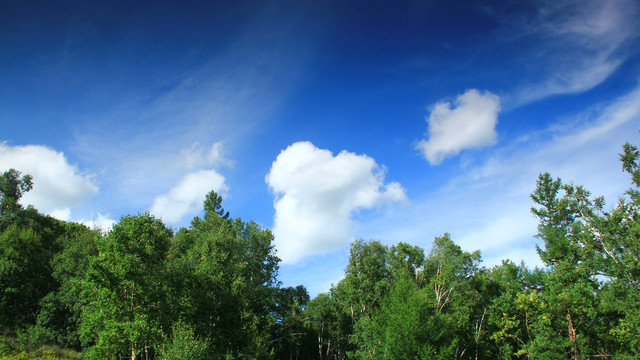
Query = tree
x=405 y=260
x=27 y=245
x=424 y=307
x=290 y=337
x=213 y=206
x=399 y=329
x=448 y=282
x=12 y=187
x=330 y=324
x=566 y=214
x=366 y=278
x=447 y=268
x=61 y=308
x=25 y=276
x=184 y=344
x=223 y=281
x=125 y=290
x=617 y=241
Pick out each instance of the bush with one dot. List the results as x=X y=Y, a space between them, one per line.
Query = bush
x=11 y=349
x=183 y=344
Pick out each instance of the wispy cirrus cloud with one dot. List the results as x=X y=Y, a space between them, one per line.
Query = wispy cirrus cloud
x=317 y=194
x=570 y=46
x=198 y=156
x=173 y=127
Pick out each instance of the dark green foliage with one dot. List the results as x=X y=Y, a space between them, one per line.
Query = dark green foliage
x=330 y=325
x=60 y=309
x=213 y=206
x=289 y=334
x=25 y=275
x=28 y=243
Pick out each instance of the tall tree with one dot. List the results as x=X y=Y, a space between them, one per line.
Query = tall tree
x=27 y=245
x=125 y=290
x=331 y=325
x=617 y=240
x=366 y=278
x=223 y=276
x=448 y=283
x=566 y=212
x=291 y=340
x=399 y=329
x=61 y=308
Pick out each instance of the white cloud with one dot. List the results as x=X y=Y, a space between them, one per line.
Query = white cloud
x=57 y=185
x=61 y=214
x=101 y=222
x=487 y=206
x=317 y=194
x=187 y=196
x=470 y=124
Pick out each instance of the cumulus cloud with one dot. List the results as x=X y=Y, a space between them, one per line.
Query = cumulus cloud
x=187 y=196
x=317 y=194
x=470 y=124
x=57 y=185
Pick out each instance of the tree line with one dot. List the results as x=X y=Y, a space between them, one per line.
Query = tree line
x=210 y=290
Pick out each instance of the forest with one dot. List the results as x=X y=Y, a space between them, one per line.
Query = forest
x=210 y=290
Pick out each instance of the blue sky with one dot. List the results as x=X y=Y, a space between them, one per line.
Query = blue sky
x=323 y=121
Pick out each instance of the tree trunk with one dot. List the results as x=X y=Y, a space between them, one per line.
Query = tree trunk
x=572 y=336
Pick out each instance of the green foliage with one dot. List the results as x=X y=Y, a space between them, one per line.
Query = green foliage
x=28 y=241
x=12 y=349
x=289 y=335
x=61 y=309
x=405 y=260
x=449 y=285
x=213 y=206
x=211 y=292
x=222 y=275
x=630 y=159
x=400 y=329
x=366 y=278
x=12 y=187
x=124 y=289
x=330 y=324
x=184 y=344
x=25 y=274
